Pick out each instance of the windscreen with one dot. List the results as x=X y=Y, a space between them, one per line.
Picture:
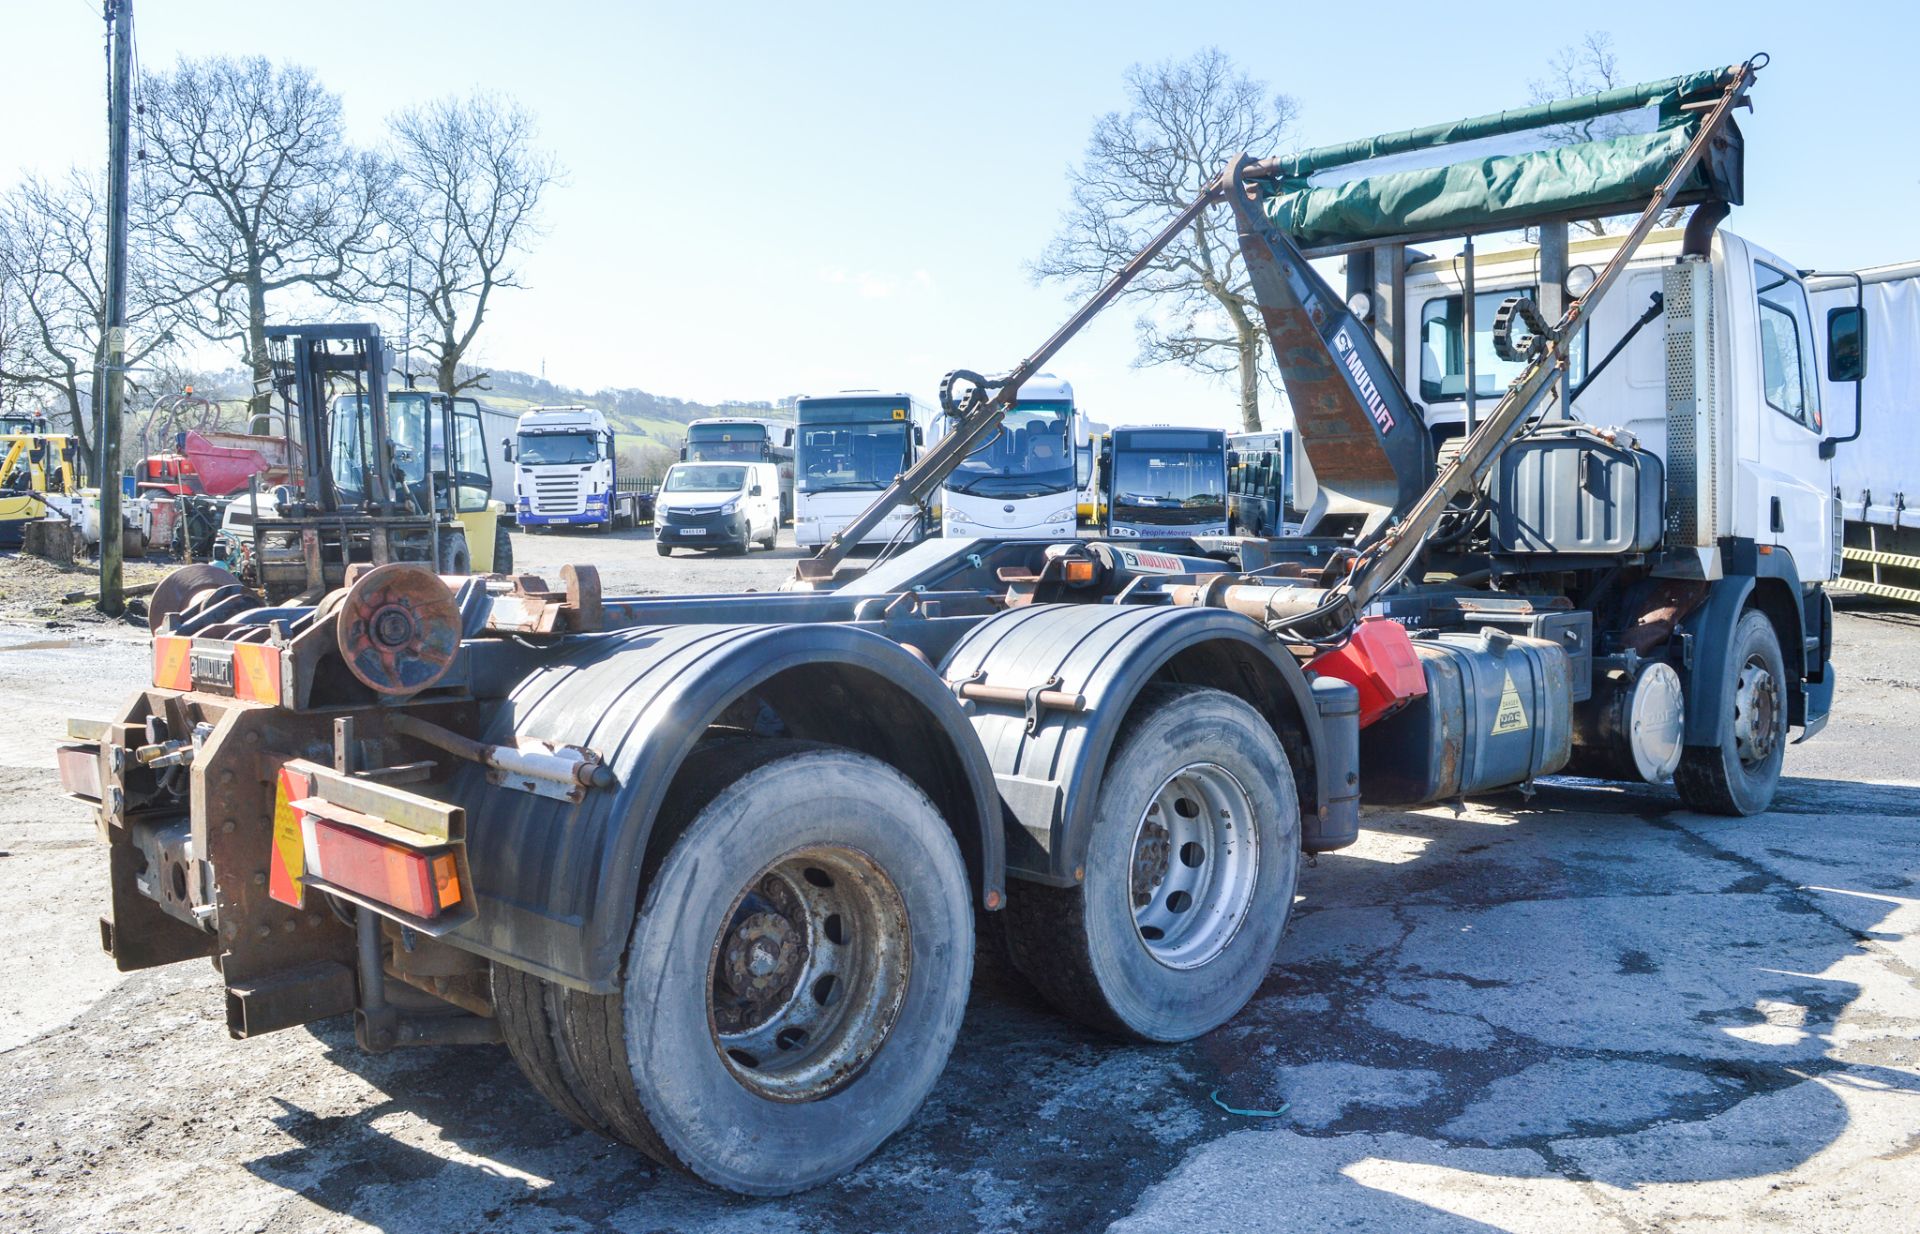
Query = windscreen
x=548 y=449
x=1169 y=477
x=836 y=458
x=705 y=478
x=1031 y=455
x=720 y=443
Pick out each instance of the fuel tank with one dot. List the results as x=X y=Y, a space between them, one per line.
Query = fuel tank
x=1497 y=712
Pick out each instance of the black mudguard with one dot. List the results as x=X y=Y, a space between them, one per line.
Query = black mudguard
x=557 y=883
x=1048 y=772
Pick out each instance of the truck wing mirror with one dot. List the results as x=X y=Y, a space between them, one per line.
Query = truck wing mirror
x=506 y=449
x=1846 y=343
x=1082 y=465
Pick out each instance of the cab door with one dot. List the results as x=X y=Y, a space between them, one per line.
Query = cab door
x=470 y=483
x=1790 y=501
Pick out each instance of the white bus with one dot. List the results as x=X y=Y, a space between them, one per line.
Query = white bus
x=745 y=439
x=1021 y=482
x=850 y=446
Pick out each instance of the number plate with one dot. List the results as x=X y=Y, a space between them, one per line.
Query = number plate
x=691 y=531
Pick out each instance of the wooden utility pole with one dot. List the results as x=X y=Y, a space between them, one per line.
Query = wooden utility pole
x=119 y=15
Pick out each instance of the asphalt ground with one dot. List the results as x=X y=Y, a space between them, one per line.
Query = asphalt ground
x=1589 y=1009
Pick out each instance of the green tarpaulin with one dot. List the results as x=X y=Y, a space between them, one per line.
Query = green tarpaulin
x=1508 y=191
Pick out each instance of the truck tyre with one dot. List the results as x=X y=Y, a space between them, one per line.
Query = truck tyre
x=529 y=1010
x=1189 y=875
x=1739 y=776
x=796 y=975
x=502 y=552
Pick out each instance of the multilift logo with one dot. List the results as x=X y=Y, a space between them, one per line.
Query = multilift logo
x=1368 y=391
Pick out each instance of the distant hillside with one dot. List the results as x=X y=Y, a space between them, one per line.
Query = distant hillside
x=633 y=412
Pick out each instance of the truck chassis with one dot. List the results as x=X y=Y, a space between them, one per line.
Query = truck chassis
x=710 y=865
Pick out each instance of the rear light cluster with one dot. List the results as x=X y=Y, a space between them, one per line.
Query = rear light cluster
x=420 y=883
x=399 y=853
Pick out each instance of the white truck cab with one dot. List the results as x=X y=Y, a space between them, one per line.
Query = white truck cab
x=717 y=505
x=563 y=469
x=1759 y=419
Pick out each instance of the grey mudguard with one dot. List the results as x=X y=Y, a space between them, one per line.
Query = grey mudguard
x=556 y=884
x=1708 y=682
x=1048 y=773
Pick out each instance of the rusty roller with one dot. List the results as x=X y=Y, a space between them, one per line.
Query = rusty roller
x=398 y=628
x=178 y=589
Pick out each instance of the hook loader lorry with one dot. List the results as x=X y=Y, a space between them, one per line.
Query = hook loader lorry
x=709 y=865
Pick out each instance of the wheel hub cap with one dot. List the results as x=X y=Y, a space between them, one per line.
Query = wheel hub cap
x=1756 y=714
x=1195 y=864
x=808 y=974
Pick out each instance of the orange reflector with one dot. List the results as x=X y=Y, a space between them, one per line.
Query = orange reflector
x=421 y=884
x=170 y=671
x=1078 y=571
x=287 y=863
x=256 y=673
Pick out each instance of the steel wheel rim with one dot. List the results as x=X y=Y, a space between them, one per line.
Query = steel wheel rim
x=808 y=973
x=1756 y=713
x=1195 y=864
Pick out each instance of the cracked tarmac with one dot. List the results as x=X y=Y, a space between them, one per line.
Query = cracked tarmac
x=1585 y=1010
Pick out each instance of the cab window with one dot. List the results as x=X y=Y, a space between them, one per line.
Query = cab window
x=1786 y=346
x=1443 y=353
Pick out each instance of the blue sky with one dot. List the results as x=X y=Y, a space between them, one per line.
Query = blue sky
x=773 y=199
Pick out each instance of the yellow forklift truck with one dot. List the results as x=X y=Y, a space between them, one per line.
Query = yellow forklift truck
x=398 y=478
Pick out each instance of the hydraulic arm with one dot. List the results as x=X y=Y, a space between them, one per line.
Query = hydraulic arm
x=1365 y=436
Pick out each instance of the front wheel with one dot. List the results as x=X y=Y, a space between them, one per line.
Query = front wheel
x=1740 y=775
x=664 y=549
x=452 y=553
x=796 y=974
x=1189 y=875
x=502 y=551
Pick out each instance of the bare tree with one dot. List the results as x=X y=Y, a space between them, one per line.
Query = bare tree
x=467 y=190
x=254 y=190
x=1586 y=67
x=53 y=300
x=1185 y=120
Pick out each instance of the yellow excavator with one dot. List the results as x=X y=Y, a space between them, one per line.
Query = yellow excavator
x=36 y=465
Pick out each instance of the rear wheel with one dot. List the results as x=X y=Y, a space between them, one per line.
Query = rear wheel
x=772 y=539
x=529 y=1011
x=1740 y=775
x=1190 y=873
x=796 y=975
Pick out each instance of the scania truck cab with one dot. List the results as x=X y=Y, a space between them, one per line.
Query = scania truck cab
x=565 y=472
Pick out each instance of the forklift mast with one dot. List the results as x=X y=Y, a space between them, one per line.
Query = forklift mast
x=308 y=360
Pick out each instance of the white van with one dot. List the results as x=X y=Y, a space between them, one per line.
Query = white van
x=717 y=505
